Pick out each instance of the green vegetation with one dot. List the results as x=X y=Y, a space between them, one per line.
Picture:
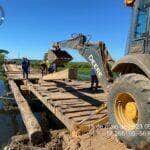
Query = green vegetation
x=83 y=67
x=3 y=51
x=80 y=65
x=2 y=58
x=34 y=63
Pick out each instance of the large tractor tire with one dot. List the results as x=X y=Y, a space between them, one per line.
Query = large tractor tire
x=129 y=110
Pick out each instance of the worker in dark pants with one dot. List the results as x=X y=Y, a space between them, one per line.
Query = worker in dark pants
x=52 y=68
x=43 y=69
x=94 y=80
x=25 y=67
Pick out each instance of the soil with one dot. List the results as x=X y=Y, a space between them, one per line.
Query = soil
x=96 y=139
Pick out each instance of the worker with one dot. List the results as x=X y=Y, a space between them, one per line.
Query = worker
x=25 y=67
x=43 y=69
x=94 y=79
x=28 y=65
x=56 y=47
x=52 y=68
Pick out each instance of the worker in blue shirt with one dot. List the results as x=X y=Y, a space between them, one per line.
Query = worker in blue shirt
x=25 y=67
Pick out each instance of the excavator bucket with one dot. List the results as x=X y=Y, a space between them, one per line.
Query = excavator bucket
x=60 y=57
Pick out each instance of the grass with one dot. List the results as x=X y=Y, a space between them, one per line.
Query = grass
x=82 y=67
x=84 y=74
x=2 y=57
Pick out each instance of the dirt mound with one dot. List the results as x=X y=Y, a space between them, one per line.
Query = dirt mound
x=96 y=139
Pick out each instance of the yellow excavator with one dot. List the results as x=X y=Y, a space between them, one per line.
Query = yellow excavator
x=129 y=93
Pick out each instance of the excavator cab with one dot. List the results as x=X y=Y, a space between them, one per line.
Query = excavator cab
x=139 y=37
x=128 y=94
x=137 y=59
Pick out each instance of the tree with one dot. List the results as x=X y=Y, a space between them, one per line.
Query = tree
x=3 y=51
x=2 y=57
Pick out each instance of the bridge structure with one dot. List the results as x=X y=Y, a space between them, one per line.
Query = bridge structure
x=69 y=100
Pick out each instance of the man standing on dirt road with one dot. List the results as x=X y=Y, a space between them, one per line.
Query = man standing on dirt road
x=25 y=67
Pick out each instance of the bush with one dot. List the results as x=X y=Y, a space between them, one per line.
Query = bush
x=2 y=57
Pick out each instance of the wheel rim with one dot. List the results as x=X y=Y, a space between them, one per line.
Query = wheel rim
x=126 y=111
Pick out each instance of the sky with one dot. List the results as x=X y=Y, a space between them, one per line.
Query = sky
x=31 y=26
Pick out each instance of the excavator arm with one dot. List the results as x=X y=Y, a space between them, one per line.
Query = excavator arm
x=95 y=53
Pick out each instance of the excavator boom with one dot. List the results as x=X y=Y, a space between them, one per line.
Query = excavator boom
x=95 y=53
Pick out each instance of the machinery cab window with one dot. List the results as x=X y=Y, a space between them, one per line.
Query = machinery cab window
x=142 y=19
x=141 y=29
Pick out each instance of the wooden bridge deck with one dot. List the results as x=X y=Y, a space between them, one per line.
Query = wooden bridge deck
x=69 y=106
x=70 y=102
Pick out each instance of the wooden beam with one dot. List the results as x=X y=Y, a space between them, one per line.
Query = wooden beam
x=33 y=128
x=67 y=122
x=65 y=74
x=73 y=110
x=57 y=75
x=59 y=95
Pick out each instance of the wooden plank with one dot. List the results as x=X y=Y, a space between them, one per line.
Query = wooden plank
x=77 y=105
x=59 y=95
x=54 y=91
x=94 y=117
x=15 y=72
x=83 y=113
x=79 y=114
x=61 y=75
x=67 y=122
x=90 y=97
x=50 y=88
x=33 y=128
x=66 y=106
x=65 y=99
x=71 y=102
x=71 y=110
x=48 y=84
x=5 y=68
x=101 y=120
x=57 y=75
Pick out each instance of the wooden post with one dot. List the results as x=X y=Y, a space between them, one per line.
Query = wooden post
x=73 y=73
x=33 y=127
x=65 y=74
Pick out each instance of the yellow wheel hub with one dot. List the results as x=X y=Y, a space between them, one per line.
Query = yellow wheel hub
x=131 y=110
x=126 y=111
